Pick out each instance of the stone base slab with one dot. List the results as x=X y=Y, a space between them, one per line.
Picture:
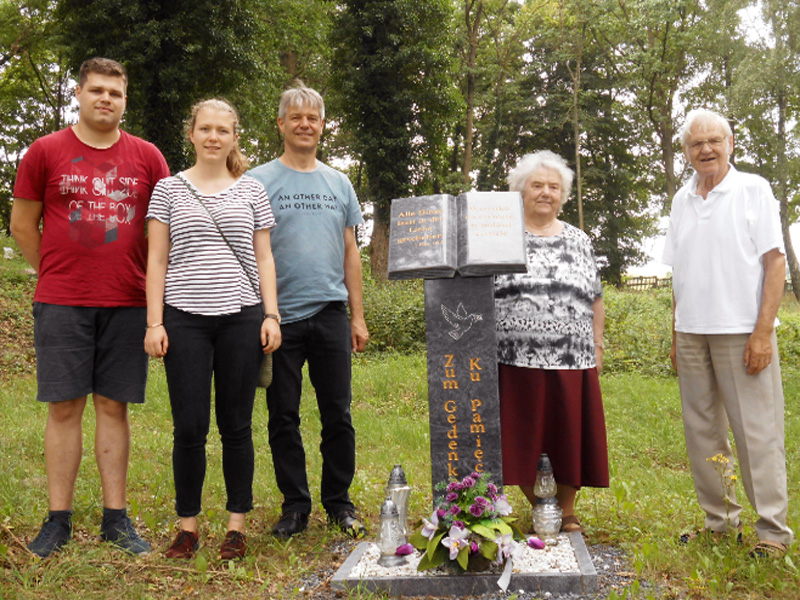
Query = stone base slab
x=583 y=581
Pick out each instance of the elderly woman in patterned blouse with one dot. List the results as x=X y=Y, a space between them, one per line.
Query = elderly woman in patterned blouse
x=550 y=345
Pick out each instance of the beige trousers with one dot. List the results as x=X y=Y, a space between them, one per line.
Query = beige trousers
x=716 y=392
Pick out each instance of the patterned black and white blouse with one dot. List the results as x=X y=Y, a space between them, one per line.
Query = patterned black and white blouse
x=544 y=317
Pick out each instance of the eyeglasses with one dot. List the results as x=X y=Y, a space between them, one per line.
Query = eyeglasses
x=713 y=143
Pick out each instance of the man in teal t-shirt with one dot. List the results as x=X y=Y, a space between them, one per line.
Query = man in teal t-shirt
x=318 y=268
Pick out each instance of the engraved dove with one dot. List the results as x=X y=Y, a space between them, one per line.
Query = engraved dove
x=460 y=320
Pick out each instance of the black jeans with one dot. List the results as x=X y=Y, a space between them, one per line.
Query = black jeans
x=324 y=341
x=228 y=346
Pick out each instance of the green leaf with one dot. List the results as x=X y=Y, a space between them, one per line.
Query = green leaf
x=484 y=531
x=419 y=541
x=498 y=525
x=434 y=542
x=489 y=550
x=201 y=564
x=430 y=561
x=463 y=557
x=149 y=520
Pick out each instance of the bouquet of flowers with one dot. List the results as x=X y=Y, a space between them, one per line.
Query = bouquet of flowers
x=471 y=519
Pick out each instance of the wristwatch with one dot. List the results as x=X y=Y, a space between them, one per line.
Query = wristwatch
x=271 y=316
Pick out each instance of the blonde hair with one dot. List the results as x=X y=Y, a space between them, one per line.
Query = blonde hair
x=236 y=162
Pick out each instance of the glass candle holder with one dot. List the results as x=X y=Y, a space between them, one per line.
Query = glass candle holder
x=398 y=490
x=390 y=536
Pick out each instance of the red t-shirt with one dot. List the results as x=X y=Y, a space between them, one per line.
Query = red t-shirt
x=95 y=200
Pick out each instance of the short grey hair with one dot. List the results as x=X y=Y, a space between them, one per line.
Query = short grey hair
x=530 y=163
x=300 y=96
x=703 y=118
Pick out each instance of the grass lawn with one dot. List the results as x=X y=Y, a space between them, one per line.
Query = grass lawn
x=650 y=501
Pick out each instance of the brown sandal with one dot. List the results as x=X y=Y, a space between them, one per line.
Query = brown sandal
x=768 y=549
x=570 y=523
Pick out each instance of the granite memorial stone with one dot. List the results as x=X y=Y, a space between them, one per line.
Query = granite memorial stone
x=476 y=234
x=463 y=400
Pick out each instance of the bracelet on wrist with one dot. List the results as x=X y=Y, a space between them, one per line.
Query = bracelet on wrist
x=277 y=317
x=154 y=325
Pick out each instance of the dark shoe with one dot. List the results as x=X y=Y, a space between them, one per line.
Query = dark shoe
x=121 y=533
x=184 y=546
x=348 y=522
x=234 y=546
x=715 y=536
x=290 y=524
x=52 y=536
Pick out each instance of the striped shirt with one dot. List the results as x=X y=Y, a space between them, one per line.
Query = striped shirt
x=203 y=275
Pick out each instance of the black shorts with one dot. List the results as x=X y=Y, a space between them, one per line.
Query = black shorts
x=83 y=350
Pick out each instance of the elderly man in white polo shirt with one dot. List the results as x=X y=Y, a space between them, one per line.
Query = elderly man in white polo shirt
x=725 y=245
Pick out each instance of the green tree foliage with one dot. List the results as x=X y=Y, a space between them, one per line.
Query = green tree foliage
x=393 y=72
x=290 y=42
x=176 y=52
x=766 y=101
x=34 y=86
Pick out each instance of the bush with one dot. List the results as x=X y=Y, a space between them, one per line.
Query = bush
x=638 y=331
x=395 y=315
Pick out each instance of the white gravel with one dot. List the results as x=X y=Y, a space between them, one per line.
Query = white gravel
x=558 y=558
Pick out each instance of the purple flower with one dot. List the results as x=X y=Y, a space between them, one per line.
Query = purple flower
x=404 y=549
x=475 y=510
x=459 y=524
x=441 y=513
x=455 y=509
x=453 y=486
x=536 y=543
x=492 y=488
x=481 y=501
x=451 y=497
x=475 y=476
x=430 y=526
x=455 y=540
x=473 y=547
x=467 y=482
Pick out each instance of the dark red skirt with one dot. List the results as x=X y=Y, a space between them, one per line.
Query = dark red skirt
x=559 y=412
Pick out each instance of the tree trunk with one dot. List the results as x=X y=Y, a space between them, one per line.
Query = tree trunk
x=783 y=196
x=379 y=243
x=471 y=60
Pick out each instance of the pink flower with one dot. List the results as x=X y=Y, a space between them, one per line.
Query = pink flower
x=431 y=526
x=459 y=524
x=441 y=513
x=502 y=506
x=451 y=497
x=475 y=475
x=467 y=482
x=481 y=501
x=475 y=510
x=455 y=509
x=505 y=546
x=453 y=486
x=404 y=549
x=473 y=547
x=455 y=540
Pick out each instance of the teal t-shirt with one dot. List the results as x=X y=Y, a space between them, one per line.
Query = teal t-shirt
x=312 y=210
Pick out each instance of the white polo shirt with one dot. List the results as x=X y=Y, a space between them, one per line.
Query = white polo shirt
x=715 y=248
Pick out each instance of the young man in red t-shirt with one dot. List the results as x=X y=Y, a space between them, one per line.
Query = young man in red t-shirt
x=88 y=186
